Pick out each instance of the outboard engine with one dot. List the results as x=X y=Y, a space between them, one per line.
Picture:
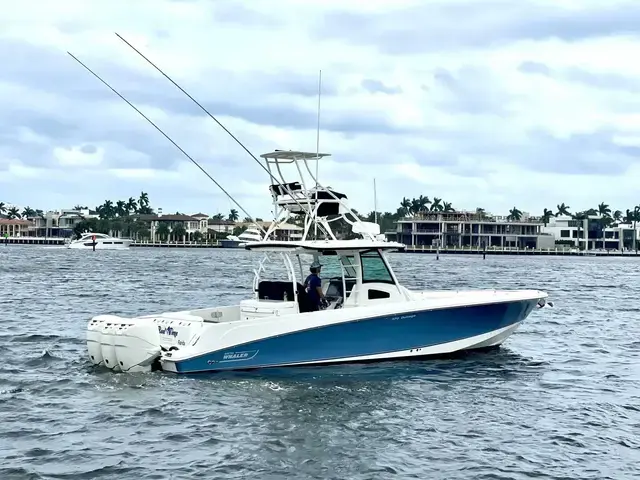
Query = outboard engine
x=543 y=302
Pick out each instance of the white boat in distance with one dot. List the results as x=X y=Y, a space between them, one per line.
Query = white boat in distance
x=251 y=234
x=370 y=315
x=102 y=242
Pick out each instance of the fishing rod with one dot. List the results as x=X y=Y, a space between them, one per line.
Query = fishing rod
x=168 y=138
x=273 y=178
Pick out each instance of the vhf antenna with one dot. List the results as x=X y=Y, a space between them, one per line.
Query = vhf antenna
x=315 y=227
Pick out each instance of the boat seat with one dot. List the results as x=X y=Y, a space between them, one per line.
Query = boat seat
x=275 y=290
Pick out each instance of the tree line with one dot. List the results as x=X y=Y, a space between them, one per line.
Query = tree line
x=121 y=216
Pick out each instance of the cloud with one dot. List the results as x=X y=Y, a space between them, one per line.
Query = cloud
x=447 y=25
x=599 y=80
x=485 y=103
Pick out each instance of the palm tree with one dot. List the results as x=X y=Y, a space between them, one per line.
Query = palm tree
x=79 y=207
x=447 y=207
x=546 y=216
x=106 y=210
x=143 y=204
x=423 y=202
x=178 y=232
x=563 y=209
x=3 y=208
x=121 y=208
x=143 y=200
x=416 y=206
x=514 y=214
x=604 y=210
x=436 y=205
x=233 y=215
x=132 y=205
x=617 y=215
x=13 y=212
x=217 y=217
x=635 y=216
x=580 y=217
x=162 y=231
x=28 y=212
x=405 y=206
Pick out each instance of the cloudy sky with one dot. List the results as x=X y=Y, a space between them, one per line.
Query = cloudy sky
x=485 y=103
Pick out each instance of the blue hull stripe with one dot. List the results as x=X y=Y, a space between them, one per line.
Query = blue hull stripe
x=369 y=336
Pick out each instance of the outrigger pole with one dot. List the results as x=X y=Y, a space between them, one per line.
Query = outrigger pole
x=273 y=178
x=168 y=138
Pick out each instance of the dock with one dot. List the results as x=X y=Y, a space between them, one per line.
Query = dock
x=32 y=241
x=518 y=251
x=58 y=241
x=177 y=244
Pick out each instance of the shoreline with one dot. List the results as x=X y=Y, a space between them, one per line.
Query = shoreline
x=514 y=252
x=418 y=250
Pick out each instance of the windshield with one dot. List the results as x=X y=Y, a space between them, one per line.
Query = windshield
x=374 y=268
x=330 y=265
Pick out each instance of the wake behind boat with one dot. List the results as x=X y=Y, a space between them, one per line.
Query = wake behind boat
x=101 y=241
x=366 y=313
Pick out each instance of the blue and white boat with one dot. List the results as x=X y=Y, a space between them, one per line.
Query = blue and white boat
x=370 y=315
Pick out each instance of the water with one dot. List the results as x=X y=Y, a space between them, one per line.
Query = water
x=560 y=400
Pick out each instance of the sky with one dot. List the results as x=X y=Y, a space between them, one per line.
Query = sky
x=483 y=103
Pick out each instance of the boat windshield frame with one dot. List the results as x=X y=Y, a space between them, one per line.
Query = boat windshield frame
x=87 y=236
x=349 y=261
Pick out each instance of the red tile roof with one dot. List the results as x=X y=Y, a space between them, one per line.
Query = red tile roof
x=14 y=221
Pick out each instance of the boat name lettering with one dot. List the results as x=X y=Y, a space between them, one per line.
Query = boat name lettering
x=246 y=355
x=181 y=342
x=402 y=317
x=167 y=331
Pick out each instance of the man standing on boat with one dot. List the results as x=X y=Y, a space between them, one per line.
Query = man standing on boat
x=313 y=287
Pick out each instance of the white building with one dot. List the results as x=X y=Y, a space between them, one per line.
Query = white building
x=221 y=226
x=59 y=223
x=203 y=218
x=589 y=234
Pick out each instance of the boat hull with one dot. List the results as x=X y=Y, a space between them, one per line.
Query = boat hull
x=385 y=337
x=225 y=243
x=122 y=245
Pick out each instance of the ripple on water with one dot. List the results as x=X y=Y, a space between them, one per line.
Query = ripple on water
x=560 y=400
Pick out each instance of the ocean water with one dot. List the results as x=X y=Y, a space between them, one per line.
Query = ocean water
x=560 y=399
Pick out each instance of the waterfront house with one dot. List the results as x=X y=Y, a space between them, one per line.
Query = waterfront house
x=203 y=218
x=59 y=223
x=221 y=225
x=190 y=224
x=471 y=229
x=14 y=227
x=590 y=233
